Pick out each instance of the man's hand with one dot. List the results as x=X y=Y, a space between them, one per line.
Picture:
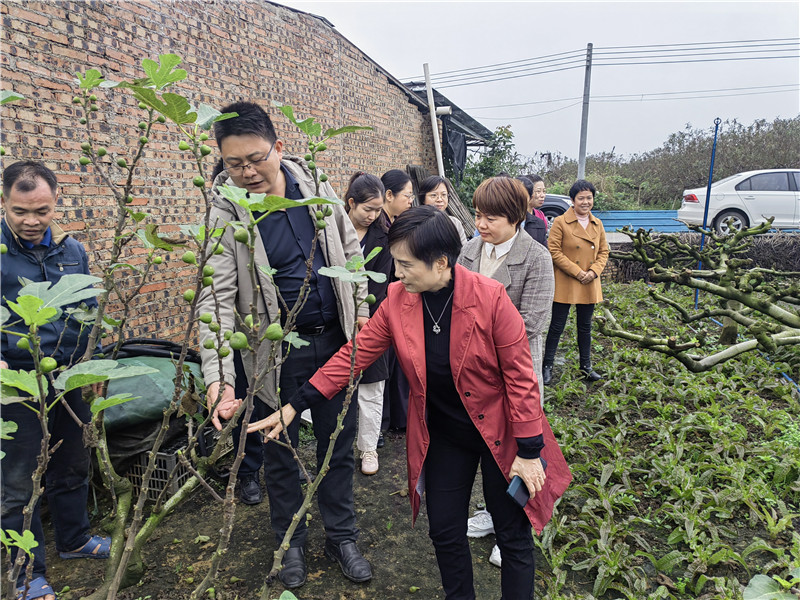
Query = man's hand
x=3 y=364
x=272 y=424
x=361 y=322
x=226 y=407
x=531 y=472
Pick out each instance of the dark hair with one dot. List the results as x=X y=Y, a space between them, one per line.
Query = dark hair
x=252 y=120
x=395 y=180
x=430 y=184
x=428 y=233
x=503 y=197
x=24 y=175
x=503 y=174
x=581 y=186
x=528 y=185
x=218 y=168
x=534 y=179
x=363 y=187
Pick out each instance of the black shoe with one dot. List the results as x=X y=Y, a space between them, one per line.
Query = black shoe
x=354 y=566
x=381 y=441
x=250 y=490
x=590 y=374
x=547 y=374
x=293 y=573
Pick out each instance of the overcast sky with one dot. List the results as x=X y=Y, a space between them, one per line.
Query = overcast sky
x=401 y=36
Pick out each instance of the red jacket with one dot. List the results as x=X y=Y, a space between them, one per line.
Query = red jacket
x=492 y=370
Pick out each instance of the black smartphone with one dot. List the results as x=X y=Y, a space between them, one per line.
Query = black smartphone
x=519 y=491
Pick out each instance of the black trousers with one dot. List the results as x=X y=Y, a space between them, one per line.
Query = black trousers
x=450 y=468
x=335 y=494
x=583 y=320
x=66 y=480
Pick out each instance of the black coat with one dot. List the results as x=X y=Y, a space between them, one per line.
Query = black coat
x=378 y=236
x=536 y=228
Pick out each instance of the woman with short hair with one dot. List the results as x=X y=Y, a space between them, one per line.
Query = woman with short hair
x=504 y=252
x=474 y=401
x=579 y=249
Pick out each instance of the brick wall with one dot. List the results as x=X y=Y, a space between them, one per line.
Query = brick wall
x=249 y=50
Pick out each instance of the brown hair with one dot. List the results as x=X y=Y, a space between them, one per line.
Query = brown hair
x=502 y=197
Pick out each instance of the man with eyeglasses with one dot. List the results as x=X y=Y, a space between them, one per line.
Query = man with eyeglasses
x=253 y=159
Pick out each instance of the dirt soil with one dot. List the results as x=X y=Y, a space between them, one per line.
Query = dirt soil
x=402 y=557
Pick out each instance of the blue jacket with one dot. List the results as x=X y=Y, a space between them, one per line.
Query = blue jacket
x=64 y=256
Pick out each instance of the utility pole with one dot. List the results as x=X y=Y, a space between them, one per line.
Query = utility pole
x=587 y=80
x=434 y=124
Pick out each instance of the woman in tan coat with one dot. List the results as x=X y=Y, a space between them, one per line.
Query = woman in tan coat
x=578 y=246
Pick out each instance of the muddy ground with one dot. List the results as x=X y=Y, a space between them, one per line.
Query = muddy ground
x=401 y=557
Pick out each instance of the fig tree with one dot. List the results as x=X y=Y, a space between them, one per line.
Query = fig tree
x=323 y=178
x=84 y=160
x=182 y=145
x=241 y=235
x=189 y=258
x=205 y=150
x=206 y=318
x=188 y=295
x=101 y=151
x=209 y=344
x=199 y=181
x=23 y=343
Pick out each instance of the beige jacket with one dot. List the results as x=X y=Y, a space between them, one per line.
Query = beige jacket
x=575 y=249
x=338 y=242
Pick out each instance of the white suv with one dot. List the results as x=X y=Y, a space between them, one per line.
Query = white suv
x=747 y=199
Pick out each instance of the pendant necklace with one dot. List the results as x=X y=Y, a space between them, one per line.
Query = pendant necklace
x=436 y=328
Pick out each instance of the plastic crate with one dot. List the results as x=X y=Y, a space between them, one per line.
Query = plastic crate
x=166 y=462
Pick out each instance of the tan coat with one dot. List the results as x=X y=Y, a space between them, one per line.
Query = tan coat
x=338 y=242
x=575 y=249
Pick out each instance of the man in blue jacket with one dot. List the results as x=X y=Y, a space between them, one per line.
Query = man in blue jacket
x=38 y=250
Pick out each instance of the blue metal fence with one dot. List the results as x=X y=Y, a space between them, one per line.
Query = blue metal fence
x=658 y=220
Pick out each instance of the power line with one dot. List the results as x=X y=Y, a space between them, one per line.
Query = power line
x=451 y=85
x=502 y=64
x=671 y=62
x=698 y=43
x=530 y=116
x=496 y=68
x=458 y=81
x=610 y=99
x=701 y=97
x=639 y=95
x=527 y=70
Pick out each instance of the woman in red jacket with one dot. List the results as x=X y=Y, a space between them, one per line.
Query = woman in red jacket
x=474 y=400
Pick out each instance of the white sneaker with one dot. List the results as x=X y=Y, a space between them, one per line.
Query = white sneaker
x=494 y=557
x=369 y=462
x=480 y=524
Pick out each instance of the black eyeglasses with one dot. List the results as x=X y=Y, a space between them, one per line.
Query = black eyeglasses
x=239 y=169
